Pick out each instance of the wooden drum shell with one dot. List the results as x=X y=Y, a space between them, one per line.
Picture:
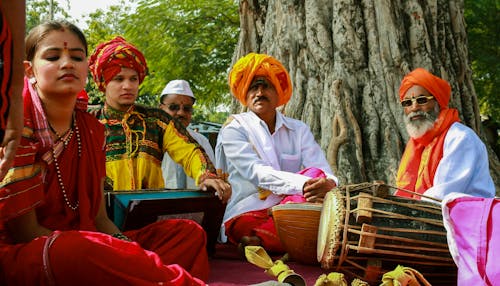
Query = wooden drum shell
x=297 y=226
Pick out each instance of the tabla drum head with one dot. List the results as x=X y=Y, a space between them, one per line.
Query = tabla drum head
x=330 y=228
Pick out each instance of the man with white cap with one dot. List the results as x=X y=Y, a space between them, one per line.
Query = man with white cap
x=177 y=99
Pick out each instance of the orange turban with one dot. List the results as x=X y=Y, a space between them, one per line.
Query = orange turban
x=439 y=88
x=109 y=58
x=252 y=65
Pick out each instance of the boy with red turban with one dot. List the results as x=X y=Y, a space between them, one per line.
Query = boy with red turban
x=138 y=136
x=442 y=155
x=270 y=158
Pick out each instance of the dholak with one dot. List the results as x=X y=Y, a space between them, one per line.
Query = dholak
x=297 y=226
x=364 y=232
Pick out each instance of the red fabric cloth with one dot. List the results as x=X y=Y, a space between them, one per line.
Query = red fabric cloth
x=75 y=254
x=176 y=241
x=86 y=258
x=422 y=155
x=260 y=223
x=109 y=58
x=255 y=223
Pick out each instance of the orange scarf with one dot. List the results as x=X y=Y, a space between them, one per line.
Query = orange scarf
x=422 y=155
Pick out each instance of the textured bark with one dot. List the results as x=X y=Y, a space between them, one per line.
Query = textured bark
x=346 y=59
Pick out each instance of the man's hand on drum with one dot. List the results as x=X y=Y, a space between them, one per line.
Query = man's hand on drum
x=315 y=189
x=221 y=188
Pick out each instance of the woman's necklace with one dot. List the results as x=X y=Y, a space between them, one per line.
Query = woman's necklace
x=68 y=134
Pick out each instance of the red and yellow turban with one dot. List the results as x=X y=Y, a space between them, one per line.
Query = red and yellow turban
x=252 y=65
x=109 y=58
x=439 y=88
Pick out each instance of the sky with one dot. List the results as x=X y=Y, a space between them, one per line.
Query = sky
x=84 y=7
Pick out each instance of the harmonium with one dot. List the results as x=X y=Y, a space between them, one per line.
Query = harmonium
x=135 y=209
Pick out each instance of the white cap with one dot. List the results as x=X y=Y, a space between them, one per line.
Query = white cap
x=178 y=86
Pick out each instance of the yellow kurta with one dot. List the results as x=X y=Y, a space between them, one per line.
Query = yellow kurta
x=135 y=143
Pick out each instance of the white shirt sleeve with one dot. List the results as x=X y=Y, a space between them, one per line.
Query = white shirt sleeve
x=464 y=167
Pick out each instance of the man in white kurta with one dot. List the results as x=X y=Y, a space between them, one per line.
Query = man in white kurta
x=442 y=155
x=263 y=151
x=177 y=99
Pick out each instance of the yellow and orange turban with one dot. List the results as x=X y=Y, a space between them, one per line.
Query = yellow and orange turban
x=252 y=65
x=439 y=88
x=109 y=58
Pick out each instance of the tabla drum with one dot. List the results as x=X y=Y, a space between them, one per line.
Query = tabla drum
x=297 y=226
x=364 y=232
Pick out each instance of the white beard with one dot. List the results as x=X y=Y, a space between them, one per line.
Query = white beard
x=417 y=128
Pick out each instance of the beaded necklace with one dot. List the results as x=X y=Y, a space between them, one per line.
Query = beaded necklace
x=65 y=139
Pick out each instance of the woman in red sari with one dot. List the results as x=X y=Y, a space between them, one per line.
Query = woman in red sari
x=54 y=229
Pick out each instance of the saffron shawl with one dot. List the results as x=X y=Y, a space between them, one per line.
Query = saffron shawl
x=422 y=155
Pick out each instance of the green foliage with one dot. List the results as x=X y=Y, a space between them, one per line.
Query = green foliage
x=192 y=40
x=39 y=11
x=483 y=31
x=188 y=39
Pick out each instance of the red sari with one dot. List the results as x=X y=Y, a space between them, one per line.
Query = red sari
x=75 y=254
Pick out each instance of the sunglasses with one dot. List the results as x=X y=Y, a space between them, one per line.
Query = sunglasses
x=177 y=107
x=421 y=100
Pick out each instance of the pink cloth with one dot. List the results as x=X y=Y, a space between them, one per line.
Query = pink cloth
x=473 y=226
x=311 y=172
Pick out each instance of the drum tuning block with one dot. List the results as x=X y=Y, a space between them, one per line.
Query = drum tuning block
x=380 y=189
x=364 y=209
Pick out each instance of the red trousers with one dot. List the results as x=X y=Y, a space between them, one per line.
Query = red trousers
x=90 y=258
x=255 y=223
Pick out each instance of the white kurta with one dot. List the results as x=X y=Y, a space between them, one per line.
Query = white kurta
x=464 y=167
x=253 y=157
x=173 y=173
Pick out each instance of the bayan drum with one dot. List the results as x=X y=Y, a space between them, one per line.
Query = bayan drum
x=297 y=226
x=365 y=232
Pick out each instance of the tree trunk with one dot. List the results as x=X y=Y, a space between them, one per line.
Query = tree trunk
x=346 y=59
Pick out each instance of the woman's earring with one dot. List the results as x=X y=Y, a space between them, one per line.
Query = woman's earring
x=32 y=80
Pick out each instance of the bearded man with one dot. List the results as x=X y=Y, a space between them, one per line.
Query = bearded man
x=442 y=155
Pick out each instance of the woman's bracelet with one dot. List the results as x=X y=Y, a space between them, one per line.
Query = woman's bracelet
x=121 y=236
